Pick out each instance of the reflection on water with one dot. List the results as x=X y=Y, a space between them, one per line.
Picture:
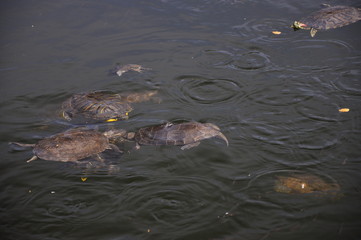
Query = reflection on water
x=275 y=97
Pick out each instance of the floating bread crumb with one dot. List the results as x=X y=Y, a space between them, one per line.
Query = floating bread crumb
x=344 y=110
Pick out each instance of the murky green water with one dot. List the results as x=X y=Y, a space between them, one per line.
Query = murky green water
x=275 y=97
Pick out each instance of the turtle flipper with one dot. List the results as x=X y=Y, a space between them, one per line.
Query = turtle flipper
x=32 y=159
x=115 y=148
x=313 y=32
x=99 y=158
x=137 y=146
x=191 y=145
x=325 y=5
x=66 y=116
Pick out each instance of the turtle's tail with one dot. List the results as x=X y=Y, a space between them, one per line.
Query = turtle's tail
x=32 y=159
x=221 y=136
x=22 y=144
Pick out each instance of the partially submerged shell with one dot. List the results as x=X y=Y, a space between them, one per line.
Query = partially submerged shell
x=73 y=145
x=305 y=183
x=102 y=105
x=188 y=134
x=120 y=69
x=328 y=18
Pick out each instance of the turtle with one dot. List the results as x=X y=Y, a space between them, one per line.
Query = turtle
x=103 y=105
x=187 y=135
x=304 y=183
x=120 y=69
x=328 y=18
x=74 y=145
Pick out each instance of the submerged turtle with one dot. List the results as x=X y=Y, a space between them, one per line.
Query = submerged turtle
x=304 y=183
x=120 y=69
x=74 y=145
x=103 y=105
x=328 y=18
x=188 y=134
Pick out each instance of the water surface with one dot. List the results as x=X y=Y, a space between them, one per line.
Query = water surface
x=275 y=97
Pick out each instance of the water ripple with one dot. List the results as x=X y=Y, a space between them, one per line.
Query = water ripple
x=349 y=81
x=204 y=90
x=260 y=30
x=251 y=59
x=311 y=111
x=290 y=142
x=318 y=55
x=70 y=204
x=286 y=93
x=172 y=202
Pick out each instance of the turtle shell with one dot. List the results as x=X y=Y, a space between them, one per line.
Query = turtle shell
x=103 y=105
x=304 y=183
x=177 y=134
x=71 y=145
x=331 y=17
x=98 y=105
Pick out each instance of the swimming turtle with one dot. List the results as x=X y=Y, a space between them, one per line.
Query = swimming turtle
x=103 y=105
x=74 y=144
x=328 y=18
x=188 y=134
x=120 y=69
x=304 y=183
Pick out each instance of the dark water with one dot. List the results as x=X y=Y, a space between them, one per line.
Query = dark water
x=275 y=97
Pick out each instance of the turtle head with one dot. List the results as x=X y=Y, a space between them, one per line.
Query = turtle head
x=115 y=133
x=298 y=25
x=124 y=116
